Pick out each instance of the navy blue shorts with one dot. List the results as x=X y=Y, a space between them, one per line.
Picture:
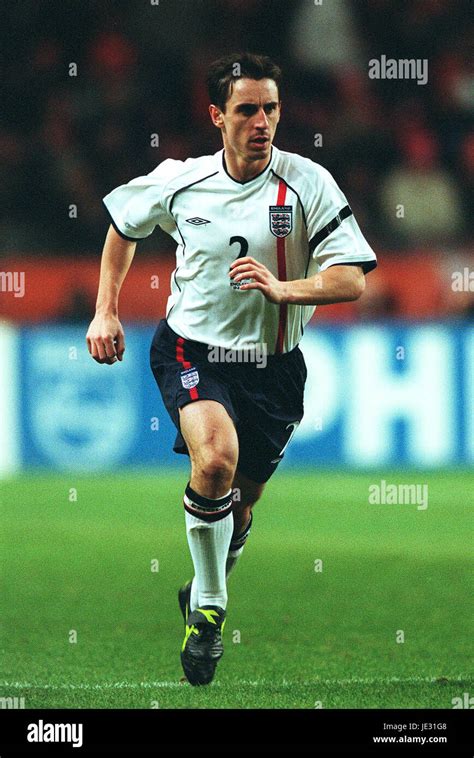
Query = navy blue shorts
x=265 y=403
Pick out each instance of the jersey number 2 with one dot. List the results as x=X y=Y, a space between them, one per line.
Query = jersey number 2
x=244 y=245
x=244 y=248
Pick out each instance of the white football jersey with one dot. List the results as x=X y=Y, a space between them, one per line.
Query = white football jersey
x=292 y=217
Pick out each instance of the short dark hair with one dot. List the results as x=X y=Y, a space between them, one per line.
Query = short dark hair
x=225 y=71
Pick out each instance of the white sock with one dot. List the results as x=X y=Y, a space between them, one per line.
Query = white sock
x=209 y=539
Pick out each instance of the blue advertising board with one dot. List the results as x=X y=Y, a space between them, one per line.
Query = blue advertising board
x=375 y=395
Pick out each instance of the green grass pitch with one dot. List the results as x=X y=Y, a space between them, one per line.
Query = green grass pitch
x=295 y=637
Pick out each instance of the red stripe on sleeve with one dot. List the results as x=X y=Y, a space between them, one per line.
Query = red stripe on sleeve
x=281 y=258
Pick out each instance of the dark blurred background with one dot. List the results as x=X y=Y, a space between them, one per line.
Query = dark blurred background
x=66 y=140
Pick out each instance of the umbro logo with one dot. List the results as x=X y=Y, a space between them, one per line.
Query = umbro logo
x=197 y=221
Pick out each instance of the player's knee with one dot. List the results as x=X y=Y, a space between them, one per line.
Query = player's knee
x=217 y=465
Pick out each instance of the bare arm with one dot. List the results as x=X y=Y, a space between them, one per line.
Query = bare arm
x=105 y=337
x=337 y=284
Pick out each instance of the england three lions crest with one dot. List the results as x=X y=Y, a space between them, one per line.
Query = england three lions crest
x=281 y=220
x=189 y=378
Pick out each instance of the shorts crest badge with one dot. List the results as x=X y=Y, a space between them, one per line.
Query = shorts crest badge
x=189 y=378
x=281 y=220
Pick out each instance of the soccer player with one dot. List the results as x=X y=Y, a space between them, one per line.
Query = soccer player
x=263 y=236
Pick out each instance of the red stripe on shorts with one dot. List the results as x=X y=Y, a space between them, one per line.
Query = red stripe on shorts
x=281 y=258
x=193 y=393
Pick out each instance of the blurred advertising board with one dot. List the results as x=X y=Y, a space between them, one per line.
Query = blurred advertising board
x=376 y=395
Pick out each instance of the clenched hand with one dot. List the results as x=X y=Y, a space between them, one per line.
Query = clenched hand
x=263 y=280
x=105 y=339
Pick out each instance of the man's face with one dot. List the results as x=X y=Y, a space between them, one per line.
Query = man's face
x=250 y=120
